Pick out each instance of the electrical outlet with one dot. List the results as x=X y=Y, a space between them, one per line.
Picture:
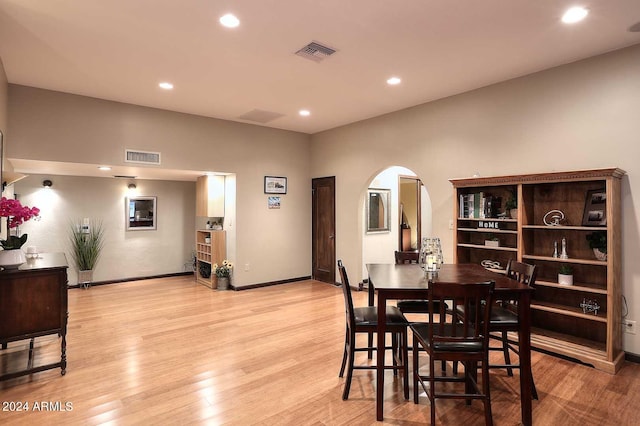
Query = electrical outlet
x=629 y=326
x=450 y=223
x=246 y=267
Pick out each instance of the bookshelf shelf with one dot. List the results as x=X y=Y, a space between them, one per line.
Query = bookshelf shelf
x=209 y=253
x=560 y=323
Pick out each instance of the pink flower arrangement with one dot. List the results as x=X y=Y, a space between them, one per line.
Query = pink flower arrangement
x=16 y=215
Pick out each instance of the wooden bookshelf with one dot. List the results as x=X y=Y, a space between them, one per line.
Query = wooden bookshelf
x=560 y=324
x=209 y=253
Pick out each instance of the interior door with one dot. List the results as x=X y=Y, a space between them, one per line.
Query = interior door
x=324 y=229
x=410 y=234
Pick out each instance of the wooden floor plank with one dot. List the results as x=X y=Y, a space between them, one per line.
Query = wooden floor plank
x=169 y=351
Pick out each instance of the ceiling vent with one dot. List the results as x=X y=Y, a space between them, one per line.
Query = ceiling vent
x=315 y=51
x=142 y=157
x=260 y=116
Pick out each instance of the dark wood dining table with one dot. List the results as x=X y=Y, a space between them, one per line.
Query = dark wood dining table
x=409 y=281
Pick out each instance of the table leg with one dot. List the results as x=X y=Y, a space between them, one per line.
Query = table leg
x=524 y=343
x=382 y=321
x=371 y=294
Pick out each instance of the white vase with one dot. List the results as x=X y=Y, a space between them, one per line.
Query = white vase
x=12 y=259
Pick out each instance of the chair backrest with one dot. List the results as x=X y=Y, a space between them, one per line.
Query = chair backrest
x=474 y=298
x=522 y=272
x=346 y=291
x=407 y=257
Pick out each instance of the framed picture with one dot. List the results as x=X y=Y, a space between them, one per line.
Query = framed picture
x=140 y=213
x=274 y=202
x=275 y=185
x=595 y=208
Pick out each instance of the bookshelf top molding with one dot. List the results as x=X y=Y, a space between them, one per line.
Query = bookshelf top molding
x=576 y=175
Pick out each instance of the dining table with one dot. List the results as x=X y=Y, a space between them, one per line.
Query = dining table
x=410 y=281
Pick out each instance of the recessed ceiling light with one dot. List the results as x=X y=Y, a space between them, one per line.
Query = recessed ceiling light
x=105 y=168
x=166 y=85
x=304 y=112
x=393 y=81
x=229 y=20
x=574 y=14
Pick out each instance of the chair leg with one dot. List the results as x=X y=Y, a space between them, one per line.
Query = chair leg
x=416 y=371
x=352 y=353
x=405 y=363
x=534 y=391
x=432 y=390
x=488 y=416
x=370 y=344
x=505 y=350
x=344 y=356
x=394 y=351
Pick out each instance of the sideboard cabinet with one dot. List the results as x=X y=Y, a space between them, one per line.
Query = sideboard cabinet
x=556 y=214
x=33 y=303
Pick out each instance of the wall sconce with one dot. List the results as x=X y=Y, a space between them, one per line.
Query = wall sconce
x=132 y=186
x=47 y=183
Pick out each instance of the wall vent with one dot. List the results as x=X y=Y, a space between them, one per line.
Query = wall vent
x=315 y=51
x=142 y=157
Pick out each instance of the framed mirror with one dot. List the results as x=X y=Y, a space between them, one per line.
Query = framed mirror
x=377 y=210
x=140 y=213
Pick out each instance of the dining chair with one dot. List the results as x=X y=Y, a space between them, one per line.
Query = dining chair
x=504 y=318
x=365 y=320
x=450 y=339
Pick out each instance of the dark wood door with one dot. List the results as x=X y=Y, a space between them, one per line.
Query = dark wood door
x=323 y=234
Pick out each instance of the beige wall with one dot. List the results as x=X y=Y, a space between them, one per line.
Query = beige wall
x=276 y=244
x=126 y=254
x=578 y=116
x=3 y=98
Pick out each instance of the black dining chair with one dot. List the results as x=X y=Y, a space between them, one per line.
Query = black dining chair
x=505 y=319
x=451 y=339
x=365 y=320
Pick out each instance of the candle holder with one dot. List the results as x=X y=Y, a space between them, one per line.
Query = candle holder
x=430 y=258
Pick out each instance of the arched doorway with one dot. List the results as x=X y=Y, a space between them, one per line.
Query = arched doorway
x=412 y=212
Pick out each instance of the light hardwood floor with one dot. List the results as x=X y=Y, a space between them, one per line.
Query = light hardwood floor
x=169 y=351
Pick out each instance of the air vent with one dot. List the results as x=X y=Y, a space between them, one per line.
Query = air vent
x=315 y=51
x=124 y=177
x=260 y=116
x=142 y=157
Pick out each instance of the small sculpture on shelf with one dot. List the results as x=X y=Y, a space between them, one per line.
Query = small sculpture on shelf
x=589 y=306
x=563 y=253
x=555 y=249
x=553 y=218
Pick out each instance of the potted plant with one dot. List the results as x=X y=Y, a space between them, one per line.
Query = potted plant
x=87 y=240
x=598 y=243
x=223 y=273
x=565 y=275
x=12 y=256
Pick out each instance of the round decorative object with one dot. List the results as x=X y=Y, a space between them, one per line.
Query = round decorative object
x=600 y=255
x=12 y=259
x=553 y=218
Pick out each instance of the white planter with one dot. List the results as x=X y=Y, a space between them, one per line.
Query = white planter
x=491 y=243
x=565 y=279
x=12 y=259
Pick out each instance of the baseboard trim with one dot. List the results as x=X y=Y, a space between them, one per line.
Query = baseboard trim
x=124 y=280
x=270 y=283
x=632 y=357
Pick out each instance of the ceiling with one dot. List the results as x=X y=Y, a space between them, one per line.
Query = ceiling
x=121 y=49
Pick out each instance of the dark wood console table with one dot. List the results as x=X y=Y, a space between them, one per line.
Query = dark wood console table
x=33 y=303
